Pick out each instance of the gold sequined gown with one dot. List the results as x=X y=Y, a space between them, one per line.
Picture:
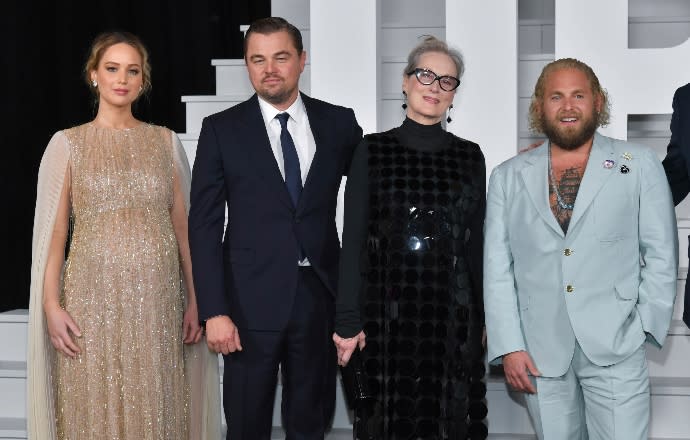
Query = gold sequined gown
x=122 y=286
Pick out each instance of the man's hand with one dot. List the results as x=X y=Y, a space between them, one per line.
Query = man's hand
x=222 y=335
x=515 y=366
x=345 y=346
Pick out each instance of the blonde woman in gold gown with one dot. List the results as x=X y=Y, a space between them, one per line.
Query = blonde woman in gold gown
x=114 y=332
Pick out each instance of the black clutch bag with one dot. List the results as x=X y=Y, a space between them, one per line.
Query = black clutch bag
x=355 y=381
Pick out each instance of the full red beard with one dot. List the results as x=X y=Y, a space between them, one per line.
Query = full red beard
x=570 y=138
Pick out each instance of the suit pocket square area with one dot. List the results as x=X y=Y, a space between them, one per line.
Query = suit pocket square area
x=355 y=381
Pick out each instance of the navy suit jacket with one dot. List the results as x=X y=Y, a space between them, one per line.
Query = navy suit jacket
x=250 y=272
x=677 y=161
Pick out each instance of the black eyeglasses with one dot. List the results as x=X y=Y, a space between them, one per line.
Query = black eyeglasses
x=427 y=77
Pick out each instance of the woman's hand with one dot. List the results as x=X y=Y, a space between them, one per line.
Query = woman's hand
x=345 y=346
x=60 y=324
x=191 y=330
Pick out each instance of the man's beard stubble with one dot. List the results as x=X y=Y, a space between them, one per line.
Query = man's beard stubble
x=276 y=97
x=570 y=139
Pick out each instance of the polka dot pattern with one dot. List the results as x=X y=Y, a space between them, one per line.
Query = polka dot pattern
x=422 y=320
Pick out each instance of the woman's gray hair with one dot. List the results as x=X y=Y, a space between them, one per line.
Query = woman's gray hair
x=433 y=44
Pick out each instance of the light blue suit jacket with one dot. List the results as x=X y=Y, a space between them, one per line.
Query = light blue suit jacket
x=608 y=283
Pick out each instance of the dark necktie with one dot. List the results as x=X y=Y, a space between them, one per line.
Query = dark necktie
x=293 y=175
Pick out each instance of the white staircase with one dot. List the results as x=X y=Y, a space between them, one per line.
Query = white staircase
x=13 y=336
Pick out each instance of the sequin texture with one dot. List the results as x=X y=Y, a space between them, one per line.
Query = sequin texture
x=122 y=285
x=421 y=311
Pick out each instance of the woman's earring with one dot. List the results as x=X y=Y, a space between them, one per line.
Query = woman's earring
x=449 y=119
x=404 y=104
x=94 y=83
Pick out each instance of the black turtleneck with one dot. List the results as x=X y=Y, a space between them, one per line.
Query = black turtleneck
x=422 y=137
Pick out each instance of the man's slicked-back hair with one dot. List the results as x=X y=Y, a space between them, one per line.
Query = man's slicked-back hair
x=270 y=25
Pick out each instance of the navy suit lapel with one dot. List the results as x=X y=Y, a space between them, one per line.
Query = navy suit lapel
x=324 y=161
x=595 y=177
x=536 y=180
x=260 y=152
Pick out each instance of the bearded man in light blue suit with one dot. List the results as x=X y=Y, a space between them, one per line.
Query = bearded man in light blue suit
x=580 y=265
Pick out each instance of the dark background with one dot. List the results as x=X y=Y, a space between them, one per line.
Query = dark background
x=45 y=47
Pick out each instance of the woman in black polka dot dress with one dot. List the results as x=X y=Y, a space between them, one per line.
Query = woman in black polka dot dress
x=410 y=271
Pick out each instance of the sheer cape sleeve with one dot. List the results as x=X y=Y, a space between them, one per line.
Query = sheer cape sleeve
x=201 y=364
x=40 y=352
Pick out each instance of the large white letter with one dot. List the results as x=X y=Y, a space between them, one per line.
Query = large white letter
x=639 y=81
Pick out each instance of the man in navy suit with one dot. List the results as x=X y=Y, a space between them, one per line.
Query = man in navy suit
x=677 y=161
x=266 y=288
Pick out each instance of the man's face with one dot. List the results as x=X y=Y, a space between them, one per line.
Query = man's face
x=274 y=67
x=569 y=109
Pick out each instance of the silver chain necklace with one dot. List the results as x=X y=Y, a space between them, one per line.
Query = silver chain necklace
x=554 y=187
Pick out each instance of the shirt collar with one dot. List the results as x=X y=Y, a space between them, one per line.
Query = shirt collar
x=296 y=110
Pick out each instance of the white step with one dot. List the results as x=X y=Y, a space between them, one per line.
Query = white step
x=672 y=360
x=12 y=428
x=200 y=106
x=13 y=335
x=507 y=410
x=13 y=338
x=13 y=386
x=232 y=77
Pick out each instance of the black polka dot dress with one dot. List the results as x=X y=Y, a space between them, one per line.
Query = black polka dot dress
x=410 y=276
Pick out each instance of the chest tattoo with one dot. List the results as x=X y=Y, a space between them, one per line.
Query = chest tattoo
x=567 y=184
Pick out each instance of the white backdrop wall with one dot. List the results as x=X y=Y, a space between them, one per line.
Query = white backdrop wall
x=486 y=108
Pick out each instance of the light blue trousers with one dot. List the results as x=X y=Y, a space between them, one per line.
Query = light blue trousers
x=593 y=402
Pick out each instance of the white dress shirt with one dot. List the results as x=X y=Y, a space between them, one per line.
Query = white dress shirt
x=298 y=126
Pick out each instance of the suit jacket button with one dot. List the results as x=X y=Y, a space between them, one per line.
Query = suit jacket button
x=569 y=288
x=567 y=252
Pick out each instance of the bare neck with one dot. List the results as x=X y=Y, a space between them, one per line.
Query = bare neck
x=562 y=154
x=115 y=117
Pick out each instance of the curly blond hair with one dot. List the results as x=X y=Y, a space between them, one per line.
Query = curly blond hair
x=535 y=120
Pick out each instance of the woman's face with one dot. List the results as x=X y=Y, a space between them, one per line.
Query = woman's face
x=119 y=75
x=427 y=104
